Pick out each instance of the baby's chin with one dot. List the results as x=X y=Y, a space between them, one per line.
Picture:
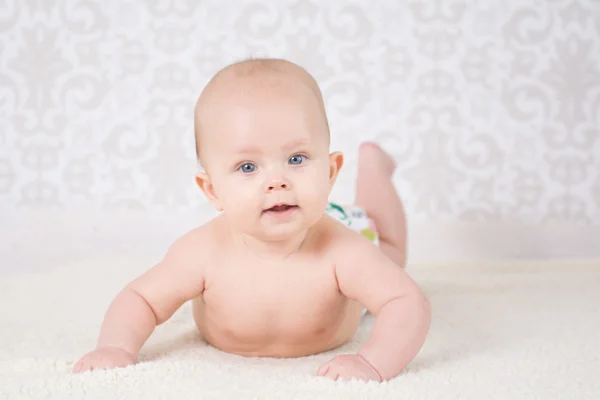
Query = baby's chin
x=279 y=234
x=273 y=227
x=281 y=231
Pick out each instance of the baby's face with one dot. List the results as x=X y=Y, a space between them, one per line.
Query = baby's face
x=267 y=155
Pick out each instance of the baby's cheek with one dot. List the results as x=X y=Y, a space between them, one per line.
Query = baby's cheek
x=242 y=189
x=314 y=177
x=238 y=198
x=243 y=200
x=315 y=196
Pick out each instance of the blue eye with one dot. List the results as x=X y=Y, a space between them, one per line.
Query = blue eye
x=247 y=168
x=297 y=159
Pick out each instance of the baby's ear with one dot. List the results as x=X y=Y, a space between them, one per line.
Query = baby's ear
x=336 y=160
x=203 y=182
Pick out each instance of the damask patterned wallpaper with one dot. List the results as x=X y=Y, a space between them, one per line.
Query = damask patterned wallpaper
x=491 y=108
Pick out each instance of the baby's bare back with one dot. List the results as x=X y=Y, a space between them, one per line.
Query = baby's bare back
x=286 y=308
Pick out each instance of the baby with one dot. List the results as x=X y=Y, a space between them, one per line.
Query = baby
x=281 y=272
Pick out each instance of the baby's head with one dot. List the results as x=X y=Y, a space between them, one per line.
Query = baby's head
x=262 y=137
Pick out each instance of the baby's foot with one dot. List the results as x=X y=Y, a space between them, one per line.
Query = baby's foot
x=373 y=161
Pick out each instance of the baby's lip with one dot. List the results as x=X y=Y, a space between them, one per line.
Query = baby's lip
x=280 y=205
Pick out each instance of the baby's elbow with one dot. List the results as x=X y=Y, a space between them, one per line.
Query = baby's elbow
x=421 y=308
x=423 y=302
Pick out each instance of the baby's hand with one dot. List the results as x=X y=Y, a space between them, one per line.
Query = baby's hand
x=104 y=358
x=347 y=367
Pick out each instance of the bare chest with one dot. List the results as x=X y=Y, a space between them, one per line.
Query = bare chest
x=293 y=299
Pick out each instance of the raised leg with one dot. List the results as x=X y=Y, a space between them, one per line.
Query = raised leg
x=376 y=194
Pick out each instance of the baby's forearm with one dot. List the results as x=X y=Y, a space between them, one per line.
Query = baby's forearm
x=398 y=334
x=128 y=322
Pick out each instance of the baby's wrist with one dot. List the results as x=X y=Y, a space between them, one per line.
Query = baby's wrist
x=118 y=348
x=372 y=366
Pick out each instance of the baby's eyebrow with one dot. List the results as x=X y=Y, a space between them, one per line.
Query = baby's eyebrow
x=251 y=149
x=295 y=143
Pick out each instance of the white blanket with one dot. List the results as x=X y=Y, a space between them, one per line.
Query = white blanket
x=510 y=330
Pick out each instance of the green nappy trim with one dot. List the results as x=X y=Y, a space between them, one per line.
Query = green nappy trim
x=332 y=207
x=340 y=213
x=369 y=234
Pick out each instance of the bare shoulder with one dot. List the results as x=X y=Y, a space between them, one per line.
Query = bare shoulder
x=327 y=237
x=338 y=245
x=198 y=245
x=342 y=242
x=180 y=275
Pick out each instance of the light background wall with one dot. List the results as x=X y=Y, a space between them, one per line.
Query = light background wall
x=490 y=108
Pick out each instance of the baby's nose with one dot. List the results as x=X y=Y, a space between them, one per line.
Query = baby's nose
x=277 y=184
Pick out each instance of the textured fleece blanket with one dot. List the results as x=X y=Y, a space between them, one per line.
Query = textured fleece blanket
x=500 y=330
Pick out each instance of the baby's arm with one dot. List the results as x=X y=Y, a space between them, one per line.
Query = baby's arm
x=146 y=302
x=401 y=309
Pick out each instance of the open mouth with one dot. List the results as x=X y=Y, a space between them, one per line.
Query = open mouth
x=280 y=208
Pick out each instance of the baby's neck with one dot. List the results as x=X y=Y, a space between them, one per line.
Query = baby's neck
x=271 y=249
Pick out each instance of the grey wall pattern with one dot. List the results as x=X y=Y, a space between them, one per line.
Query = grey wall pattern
x=491 y=108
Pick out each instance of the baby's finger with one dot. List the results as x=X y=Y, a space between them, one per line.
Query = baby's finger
x=333 y=374
x=83 y=368
x=323 y=370
x=76 y=368
x=362 y=377
x=103 y=364
x=84 y=365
